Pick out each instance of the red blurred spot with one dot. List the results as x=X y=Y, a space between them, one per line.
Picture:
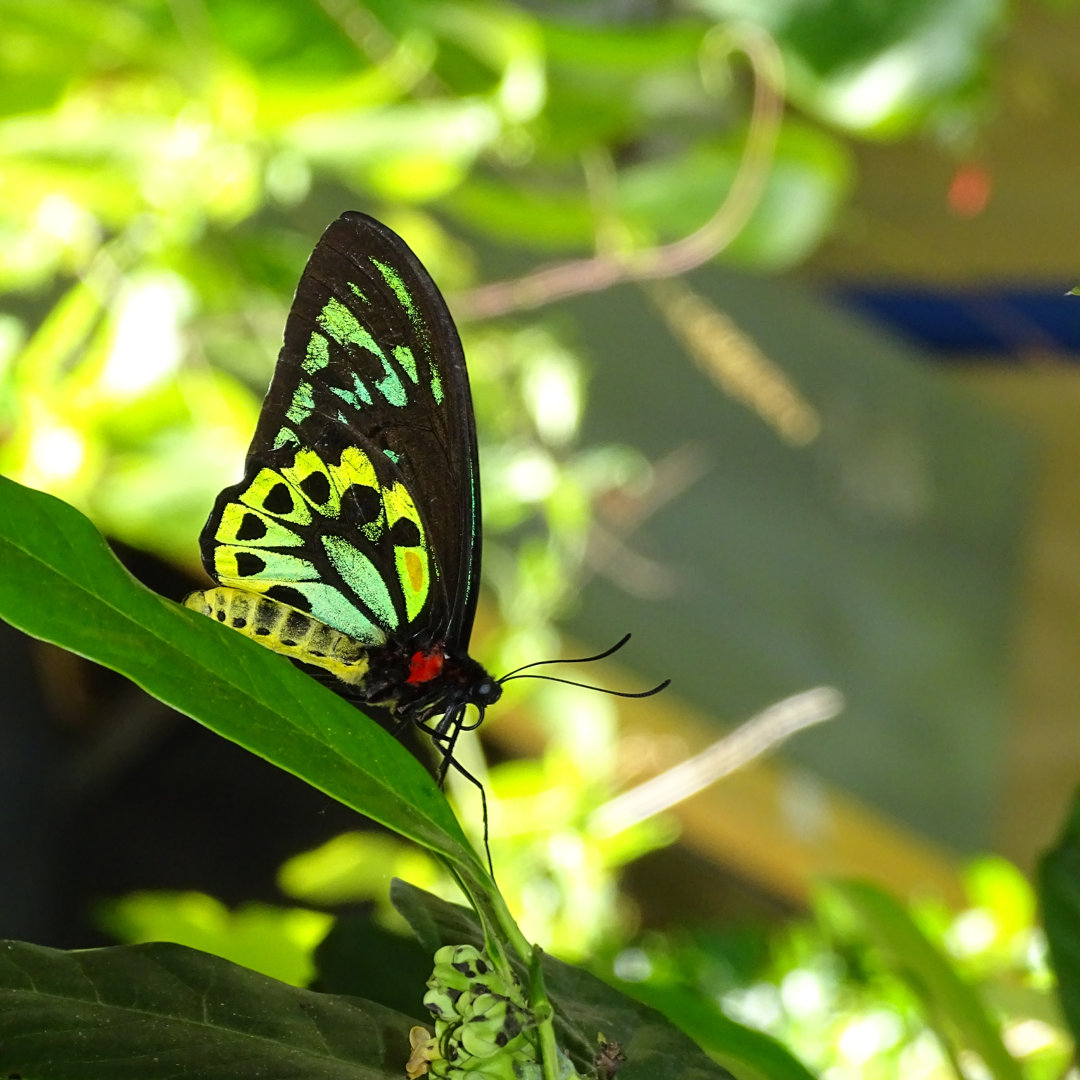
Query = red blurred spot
x=969 y=191
x=423 y=667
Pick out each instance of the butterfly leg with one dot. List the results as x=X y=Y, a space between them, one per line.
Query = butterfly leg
x=445 y=742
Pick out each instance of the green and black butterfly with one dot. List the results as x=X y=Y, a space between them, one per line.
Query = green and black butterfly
x=352 y=545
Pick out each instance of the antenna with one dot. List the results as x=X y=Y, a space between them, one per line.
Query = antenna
x=517 y=673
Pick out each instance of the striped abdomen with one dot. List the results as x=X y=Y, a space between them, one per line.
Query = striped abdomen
x=285 y=630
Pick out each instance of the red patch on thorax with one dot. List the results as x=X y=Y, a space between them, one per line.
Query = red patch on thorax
x=424 y=666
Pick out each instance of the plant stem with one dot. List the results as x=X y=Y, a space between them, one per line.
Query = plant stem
x=545 y=1015
x=505 y=945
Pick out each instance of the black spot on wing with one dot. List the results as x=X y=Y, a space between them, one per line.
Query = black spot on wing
x=362 y=504
x=316 y=487
x=251 y=528
x=248 y=564
x=405 y=533
x=288 y=595
x=278 y=500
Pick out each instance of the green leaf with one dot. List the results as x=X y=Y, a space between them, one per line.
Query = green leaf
x=60 y=582
x=750 y=1054
x=580 y=48
x=954 y=1008
x=274 y=941
x=998 y=887
x=514 y=213
x=875 y=68
x=361 y=958
x=1059 y=896
x=585 y=1007
x=144 y=1012
x=809 y=178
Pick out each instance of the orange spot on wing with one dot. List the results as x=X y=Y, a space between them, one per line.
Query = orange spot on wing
x=414 y=567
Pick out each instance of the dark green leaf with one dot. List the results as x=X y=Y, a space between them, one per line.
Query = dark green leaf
x=142 y=1012
x=59 y=582
x=1059 y=895
x=585 y=1006
x=361 y=958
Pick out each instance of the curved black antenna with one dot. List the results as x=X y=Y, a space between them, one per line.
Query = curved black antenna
x=586 y=686
x=578 y=660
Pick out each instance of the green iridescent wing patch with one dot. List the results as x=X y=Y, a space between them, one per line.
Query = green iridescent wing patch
x=319 y=531
x=360 y=502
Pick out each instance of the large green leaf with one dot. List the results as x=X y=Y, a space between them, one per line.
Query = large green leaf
x=166 y=1012
x=585 y=1007
x=1059 y=895
x=60 y=582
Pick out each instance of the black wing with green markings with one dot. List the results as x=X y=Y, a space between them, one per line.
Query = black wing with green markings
x=360 y=502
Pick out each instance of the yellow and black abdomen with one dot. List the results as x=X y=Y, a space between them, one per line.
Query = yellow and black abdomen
x=285 y=630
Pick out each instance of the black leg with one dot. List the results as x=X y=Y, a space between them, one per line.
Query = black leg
x=445 y=741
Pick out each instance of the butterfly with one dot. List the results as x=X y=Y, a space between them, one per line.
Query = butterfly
x=352 y=544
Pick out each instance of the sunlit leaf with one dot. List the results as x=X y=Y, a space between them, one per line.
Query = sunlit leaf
x=274 y=941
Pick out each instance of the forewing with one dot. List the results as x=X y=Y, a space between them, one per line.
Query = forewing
x=362 y=470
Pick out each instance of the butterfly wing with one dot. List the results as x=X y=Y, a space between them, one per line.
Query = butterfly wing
x=360 y=502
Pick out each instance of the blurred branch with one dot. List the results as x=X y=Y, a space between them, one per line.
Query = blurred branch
x=759 y=735
x=735 y=362
x=601 y=271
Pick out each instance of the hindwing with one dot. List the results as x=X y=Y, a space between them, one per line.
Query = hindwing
x=360 y=501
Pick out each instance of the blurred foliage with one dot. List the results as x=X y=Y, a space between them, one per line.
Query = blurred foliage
x=853 y=991
x=279 y=942
x=850 y=990
x=165 y=169
x=882 y=70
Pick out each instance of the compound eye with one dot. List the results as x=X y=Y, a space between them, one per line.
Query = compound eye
x=487 y=692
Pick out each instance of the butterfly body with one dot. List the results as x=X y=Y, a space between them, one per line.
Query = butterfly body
x=414 y=680
x=352 y=544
